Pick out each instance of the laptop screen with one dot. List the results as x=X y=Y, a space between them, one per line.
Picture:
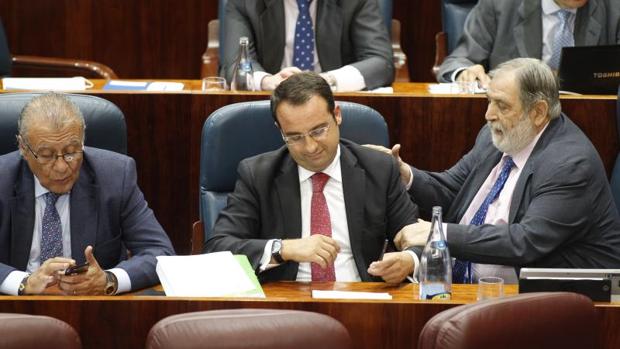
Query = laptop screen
x=590 y=69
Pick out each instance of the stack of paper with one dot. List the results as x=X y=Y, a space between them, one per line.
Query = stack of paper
x=217 y=274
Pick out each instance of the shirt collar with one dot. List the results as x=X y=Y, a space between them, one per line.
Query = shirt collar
x=520 y=158
x=549 y=7
x=333 y=170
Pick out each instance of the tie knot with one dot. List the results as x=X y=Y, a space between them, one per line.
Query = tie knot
x=303 y=4
x=319 y=180
x=508 y=164
x=51 y=198
x=564 y=15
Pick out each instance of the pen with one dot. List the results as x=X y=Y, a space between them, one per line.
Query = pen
x=385 y=244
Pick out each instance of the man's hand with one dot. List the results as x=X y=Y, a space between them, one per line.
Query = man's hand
x=413 y=235
x=473 y=73
x=92 y=282
x=405 y=169
x=317 y=248
x=270 y=82
x=394 y=267
x=44 y=277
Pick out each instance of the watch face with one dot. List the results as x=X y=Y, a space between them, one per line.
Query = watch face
x=276 y=247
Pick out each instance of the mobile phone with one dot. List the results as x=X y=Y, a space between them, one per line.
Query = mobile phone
x=77 y=269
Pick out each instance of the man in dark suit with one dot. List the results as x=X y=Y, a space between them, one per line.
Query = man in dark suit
x=350 y=44
x=63 y=204
x=532 y=192
x=320 y=204
x=497 y=31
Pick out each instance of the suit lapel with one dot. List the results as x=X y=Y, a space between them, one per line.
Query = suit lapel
x=587 y=24
x=287 y=188
x=353 y=189
x=272 y=35
x=528 y=31
x=328 y=29
x=83 y=207
x=22 y=216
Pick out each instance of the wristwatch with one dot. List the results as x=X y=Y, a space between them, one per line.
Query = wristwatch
x=111 y=285
x=22 y=286
x=276 y=251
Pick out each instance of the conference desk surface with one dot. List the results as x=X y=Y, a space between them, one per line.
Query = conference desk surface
x=164 y=131
x=124 y=321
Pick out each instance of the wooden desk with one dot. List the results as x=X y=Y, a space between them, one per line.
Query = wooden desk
x=124 y=321
x=164 y=130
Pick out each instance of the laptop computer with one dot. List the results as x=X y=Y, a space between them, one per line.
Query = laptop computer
x=590 y=69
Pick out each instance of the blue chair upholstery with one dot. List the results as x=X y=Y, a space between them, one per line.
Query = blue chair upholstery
x=615 y=174
x=105 y=123
x=453 y=15
x=237 y=131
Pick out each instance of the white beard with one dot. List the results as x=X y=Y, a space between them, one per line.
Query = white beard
x=514 y=140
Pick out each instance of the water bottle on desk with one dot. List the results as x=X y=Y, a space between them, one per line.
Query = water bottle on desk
x=435 y=265
x=243 y=74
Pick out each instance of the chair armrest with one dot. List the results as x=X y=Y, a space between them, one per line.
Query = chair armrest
x=198 y=237
x=441 y=48
x=98 y=69
x=401 y=70
x=211 y=57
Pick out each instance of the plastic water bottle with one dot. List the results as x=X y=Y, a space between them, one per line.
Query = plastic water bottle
x=243 y=74
x=435 y=265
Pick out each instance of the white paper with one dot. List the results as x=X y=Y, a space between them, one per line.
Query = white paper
x=124 y=83
x=165 y=86
x=452 y=88
x=77 y=83
x=206 y=275
x=318 y=294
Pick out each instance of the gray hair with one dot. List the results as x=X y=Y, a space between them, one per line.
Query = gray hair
x=52 y=109
x=536 y=82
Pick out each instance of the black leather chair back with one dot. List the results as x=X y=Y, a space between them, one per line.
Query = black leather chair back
x=453 y=15
x=105 y=123
x=615 y=174
x=5 y=55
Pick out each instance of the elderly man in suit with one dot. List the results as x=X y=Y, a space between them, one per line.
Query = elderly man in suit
x=346 y=41
x=319 y=208
x=532 y=192
x=497 y=31
x=63 y=204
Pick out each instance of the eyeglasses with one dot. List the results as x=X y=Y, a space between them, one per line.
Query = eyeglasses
x=46 y=159
x=316 y=134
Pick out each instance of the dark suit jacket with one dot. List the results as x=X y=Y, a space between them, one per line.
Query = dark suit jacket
x=266 y=205
x=498 y=31
x=348 y=32
x=562 y=214
x=107 y=210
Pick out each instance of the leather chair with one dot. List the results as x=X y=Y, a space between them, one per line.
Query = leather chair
x=615 y=174
x=48 y=64
x=105 y=123
x=248 y=329
x=531 y=320
x=211 y=56
x=20 y=331
x=453 y=15
x=241 y=130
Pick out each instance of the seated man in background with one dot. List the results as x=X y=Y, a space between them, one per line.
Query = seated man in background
x=321 y=207
x=532 y=192
x=497 y=31
x=62 y=203
x=346 y=40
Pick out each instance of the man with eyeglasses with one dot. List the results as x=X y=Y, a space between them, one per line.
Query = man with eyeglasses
x=320 y=208
x=63 y=204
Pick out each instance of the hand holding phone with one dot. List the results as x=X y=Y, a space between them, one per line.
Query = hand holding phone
x=77 y=269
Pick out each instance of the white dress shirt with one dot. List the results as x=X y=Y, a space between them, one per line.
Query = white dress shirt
x=344 y=265
x=10 y=285
x=348 y=78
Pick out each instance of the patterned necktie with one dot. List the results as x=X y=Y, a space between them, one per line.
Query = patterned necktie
x=320 y=224
x=461 y=272
x=51 y=232
x=562 y=38
x=303 y=53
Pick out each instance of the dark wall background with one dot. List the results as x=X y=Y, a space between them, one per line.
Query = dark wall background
x=165 y=38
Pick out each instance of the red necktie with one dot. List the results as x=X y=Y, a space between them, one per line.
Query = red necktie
x=320 y=224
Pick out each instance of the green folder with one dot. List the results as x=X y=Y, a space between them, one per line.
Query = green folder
x=257 y=291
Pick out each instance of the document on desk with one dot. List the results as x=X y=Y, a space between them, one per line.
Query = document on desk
x=217 y=274
x=320 y=294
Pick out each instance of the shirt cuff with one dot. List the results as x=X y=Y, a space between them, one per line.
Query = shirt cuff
x=348 y=78
x=124 y=282
x=408 y=186
x=266 y=258
x=416 y=263
x=10 y=285
x=456 y=73
x=258 y=79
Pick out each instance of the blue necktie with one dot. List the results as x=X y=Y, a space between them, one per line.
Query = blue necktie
x=51 y=232
x=562 y=38
x=461 y=272
x=303 y=53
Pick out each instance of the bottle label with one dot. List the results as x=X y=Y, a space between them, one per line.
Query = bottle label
x=245 y=66
x=439 y=296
